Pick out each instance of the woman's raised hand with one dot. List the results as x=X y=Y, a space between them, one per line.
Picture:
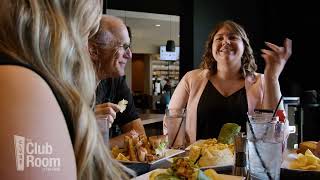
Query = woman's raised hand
x=276 y=58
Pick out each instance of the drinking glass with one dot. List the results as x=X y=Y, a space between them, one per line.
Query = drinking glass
x=265 y=138
x=176 y=126
x=103 y=125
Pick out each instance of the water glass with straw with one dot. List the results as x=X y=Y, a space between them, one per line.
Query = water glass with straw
x=176 y=127
x=265 y=138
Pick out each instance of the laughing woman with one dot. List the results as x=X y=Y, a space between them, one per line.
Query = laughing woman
x=227 y=86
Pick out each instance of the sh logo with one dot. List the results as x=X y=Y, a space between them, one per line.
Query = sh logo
x=19 y=145
x=33 y=154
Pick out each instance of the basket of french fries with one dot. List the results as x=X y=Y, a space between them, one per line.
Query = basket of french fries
x=143 y=149
x=303 y=163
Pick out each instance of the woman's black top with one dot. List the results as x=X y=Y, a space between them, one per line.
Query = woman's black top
x=214 y=110
x=4 y=60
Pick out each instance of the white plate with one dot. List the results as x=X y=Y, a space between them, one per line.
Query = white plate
x=222 y=176
x=290 y=157
x=195 y=143
x=168 y=154
x=146 y=175
x=216 y=167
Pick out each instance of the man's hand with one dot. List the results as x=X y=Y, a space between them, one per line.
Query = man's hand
x=107 y=112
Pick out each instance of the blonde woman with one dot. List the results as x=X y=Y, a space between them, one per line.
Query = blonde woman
x=48 y=129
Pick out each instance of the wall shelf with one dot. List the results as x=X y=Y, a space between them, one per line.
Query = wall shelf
x=165 y=70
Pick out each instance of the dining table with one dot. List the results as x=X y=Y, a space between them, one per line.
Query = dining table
x=285 y=174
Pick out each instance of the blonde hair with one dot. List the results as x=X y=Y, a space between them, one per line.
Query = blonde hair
x=51 y=37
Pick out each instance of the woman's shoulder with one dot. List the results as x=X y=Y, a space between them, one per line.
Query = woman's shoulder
x=28 y=90
x=197 y=71
x=197 y=74
x=24 y=83
x=22 y=76
x=15 y=72
x=30 y=109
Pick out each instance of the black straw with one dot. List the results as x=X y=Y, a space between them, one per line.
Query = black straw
x=198 y=157
x=174 y=140
x=275 y=111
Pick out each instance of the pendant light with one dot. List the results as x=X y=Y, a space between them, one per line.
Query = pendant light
x=170 y=46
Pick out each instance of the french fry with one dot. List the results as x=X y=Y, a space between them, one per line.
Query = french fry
x=121 y=157
x=126 y=143
x=115 y=151
x=132 y=152
x=138 y=147
x=308 y=161
x=145 y=143
x=142 y=152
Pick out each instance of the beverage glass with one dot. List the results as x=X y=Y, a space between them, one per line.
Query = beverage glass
x=265 y=136
x=103 y=125
x=176 y=126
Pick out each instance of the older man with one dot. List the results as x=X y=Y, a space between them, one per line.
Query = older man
x=110 y=51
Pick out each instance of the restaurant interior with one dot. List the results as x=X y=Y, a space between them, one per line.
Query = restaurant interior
x=160 y=95
x=189 y=22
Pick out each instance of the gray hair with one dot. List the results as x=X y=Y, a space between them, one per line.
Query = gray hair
x=109 y=27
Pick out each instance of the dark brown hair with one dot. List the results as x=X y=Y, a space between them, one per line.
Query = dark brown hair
x=248 y=65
